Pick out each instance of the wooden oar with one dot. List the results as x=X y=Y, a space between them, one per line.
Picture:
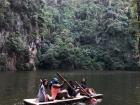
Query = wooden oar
x=65 y=81
x=83 y=89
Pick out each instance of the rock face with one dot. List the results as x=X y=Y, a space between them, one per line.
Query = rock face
x=18 y=19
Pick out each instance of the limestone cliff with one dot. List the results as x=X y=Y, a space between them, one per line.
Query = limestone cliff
x=19 y=27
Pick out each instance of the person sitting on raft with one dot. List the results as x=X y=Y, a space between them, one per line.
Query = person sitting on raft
x=42 y=96
x=72 y=90
x=56 y=90
x=83 y=84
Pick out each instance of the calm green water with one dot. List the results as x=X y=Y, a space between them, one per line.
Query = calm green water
x=119 y=88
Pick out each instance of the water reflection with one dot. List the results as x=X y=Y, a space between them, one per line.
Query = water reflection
x=119 y=88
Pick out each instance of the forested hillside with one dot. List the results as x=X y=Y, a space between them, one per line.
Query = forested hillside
x=69 y=34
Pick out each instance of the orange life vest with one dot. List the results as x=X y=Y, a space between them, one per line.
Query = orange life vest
x=54 y=91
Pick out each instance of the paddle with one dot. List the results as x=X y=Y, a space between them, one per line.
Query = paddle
x=83 y=89
x=65 y=81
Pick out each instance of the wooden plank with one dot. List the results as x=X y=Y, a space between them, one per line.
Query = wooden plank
x=80 y=98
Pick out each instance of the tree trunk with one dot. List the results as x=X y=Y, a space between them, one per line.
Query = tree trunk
x=138 y=10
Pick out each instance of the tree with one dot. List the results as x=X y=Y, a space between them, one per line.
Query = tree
x=138 y=9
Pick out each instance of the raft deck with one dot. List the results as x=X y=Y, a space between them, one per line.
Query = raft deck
x=60 y=102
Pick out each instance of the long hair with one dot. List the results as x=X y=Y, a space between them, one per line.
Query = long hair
x=43 y=82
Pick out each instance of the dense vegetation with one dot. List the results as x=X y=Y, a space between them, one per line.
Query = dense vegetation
x=71 y=34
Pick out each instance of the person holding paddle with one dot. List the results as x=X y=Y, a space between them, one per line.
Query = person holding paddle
x=85 y=87
x=73 y=91
x=56 y=90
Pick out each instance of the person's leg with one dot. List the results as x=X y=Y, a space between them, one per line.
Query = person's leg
x=63 y=94
x=49 y=97
x=91 y=91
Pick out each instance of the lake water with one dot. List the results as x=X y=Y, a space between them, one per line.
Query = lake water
x=119 y=88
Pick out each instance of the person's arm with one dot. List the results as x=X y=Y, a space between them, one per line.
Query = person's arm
x=62 y=84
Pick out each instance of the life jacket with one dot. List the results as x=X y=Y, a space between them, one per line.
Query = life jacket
x=55 y=89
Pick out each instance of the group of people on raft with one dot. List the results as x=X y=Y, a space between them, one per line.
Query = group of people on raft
x=58 y=92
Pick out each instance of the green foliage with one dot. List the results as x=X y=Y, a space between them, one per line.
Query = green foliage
x=64 y=54
x=77 y=34
x=15 y=45
x=100 y=34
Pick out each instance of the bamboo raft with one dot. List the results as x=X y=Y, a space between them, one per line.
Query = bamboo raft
x=63 y=101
